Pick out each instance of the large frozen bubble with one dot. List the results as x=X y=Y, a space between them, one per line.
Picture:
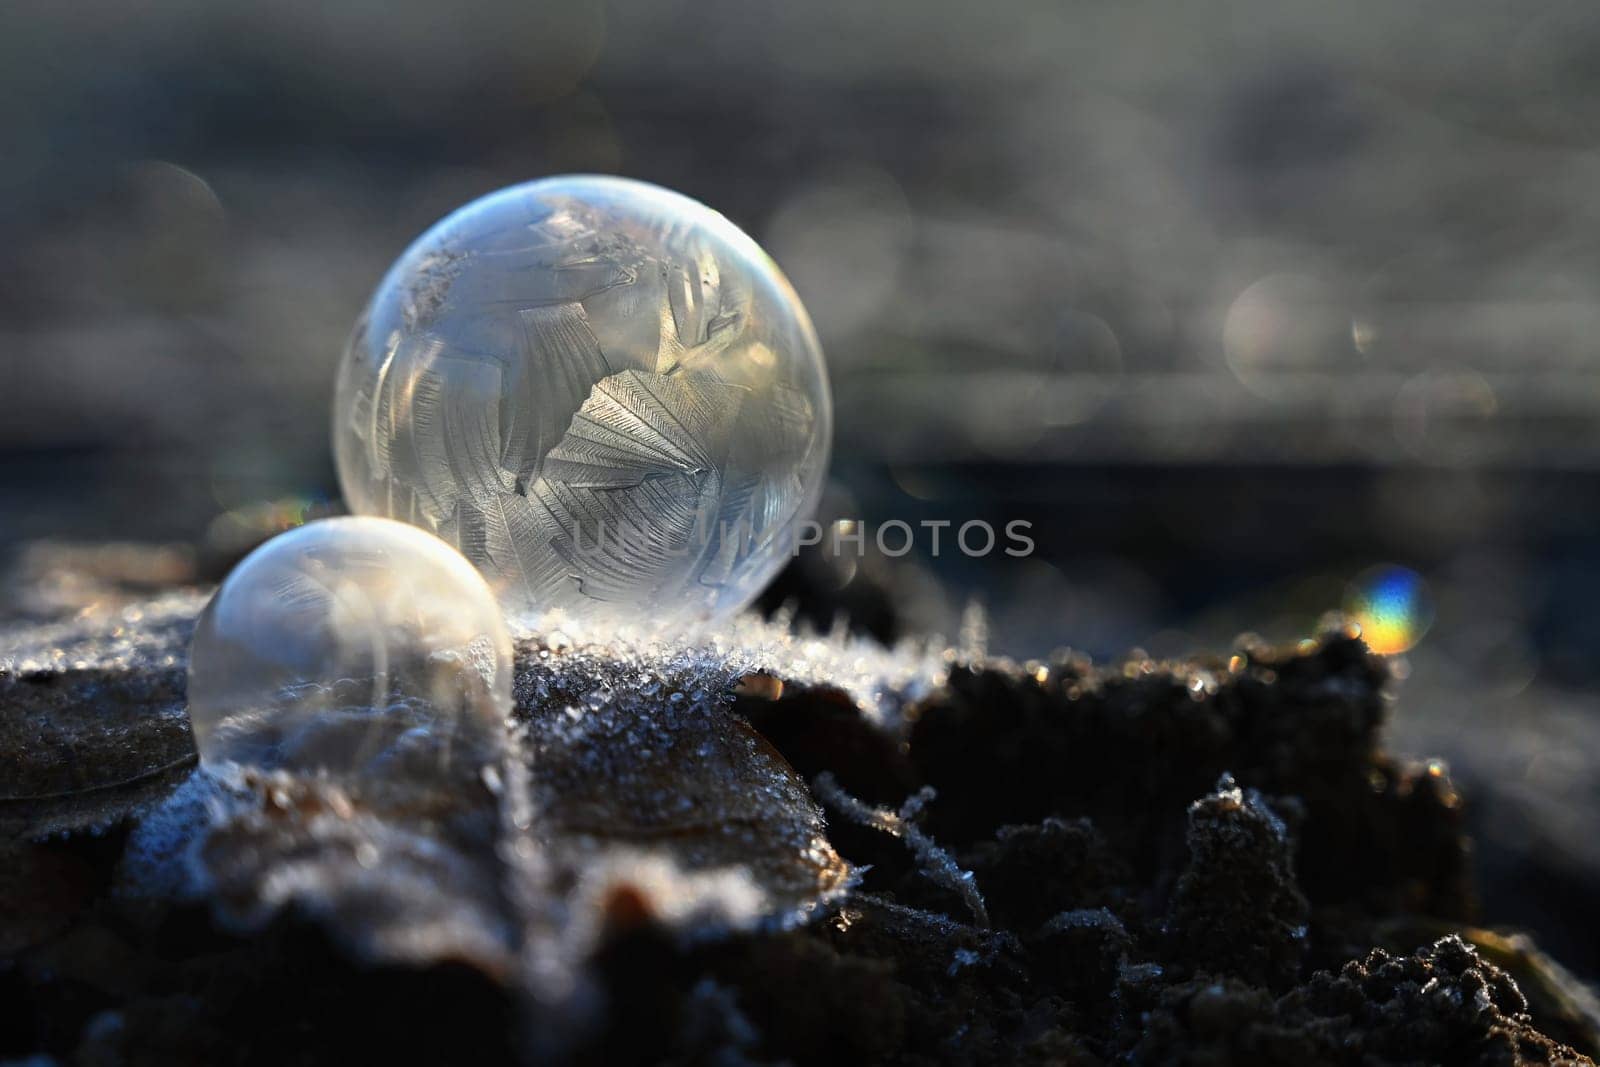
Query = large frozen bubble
x=353 y=647
x=603 y=393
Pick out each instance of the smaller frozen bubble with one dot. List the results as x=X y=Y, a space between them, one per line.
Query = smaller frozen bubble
x=355 y=647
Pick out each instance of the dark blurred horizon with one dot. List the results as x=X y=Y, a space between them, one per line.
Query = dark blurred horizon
x=1232 y=300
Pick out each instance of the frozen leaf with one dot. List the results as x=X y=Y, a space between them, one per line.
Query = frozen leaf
x=666 y=766
x=630 y=778
x=93 y=724
x=416 y=883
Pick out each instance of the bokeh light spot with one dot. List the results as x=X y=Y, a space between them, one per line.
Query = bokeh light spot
x=1394 y=607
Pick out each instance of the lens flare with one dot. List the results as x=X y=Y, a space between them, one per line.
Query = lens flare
x=1393 y=606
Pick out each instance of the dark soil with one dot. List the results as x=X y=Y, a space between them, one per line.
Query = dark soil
x=1205 y=862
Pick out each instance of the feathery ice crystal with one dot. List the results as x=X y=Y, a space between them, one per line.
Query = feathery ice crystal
x=356 y=647
x=603 y=393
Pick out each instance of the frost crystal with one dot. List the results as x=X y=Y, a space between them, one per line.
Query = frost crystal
x=602 y=393
x=936 y=862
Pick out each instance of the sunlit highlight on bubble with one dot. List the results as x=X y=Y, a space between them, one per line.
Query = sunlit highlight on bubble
x=1393 y=607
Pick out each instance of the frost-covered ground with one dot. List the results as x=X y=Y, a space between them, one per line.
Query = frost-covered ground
x=757 y=845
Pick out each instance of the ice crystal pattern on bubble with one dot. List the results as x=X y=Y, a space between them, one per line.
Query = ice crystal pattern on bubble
x=601 y=392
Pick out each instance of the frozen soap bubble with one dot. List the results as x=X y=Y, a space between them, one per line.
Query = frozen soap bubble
x=357 y=647
x=603 y=393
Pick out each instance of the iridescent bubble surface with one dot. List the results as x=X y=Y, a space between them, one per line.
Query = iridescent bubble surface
x=603 y=393
x=356 y=647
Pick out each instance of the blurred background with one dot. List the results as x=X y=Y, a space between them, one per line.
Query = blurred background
x=1253 y=308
